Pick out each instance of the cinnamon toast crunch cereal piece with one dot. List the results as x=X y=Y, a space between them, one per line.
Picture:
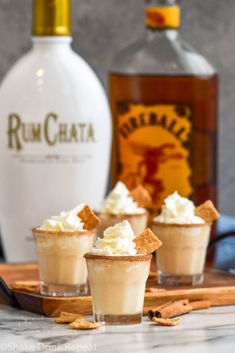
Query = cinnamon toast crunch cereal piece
x=90 y=220
x=82 y=324
x=141 y=196
x=147 y=242
x=166 y=322
x=207 y=211
x=67 y=318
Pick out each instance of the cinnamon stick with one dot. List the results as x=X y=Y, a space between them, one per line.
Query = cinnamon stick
x=169 y=310
x=151 y=312
x=200 y=304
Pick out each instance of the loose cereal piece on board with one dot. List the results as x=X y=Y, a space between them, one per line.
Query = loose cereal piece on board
x=166 y=322
x=82 y=324
x=67 y=318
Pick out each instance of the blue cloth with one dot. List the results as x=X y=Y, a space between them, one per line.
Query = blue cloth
x=225 y=249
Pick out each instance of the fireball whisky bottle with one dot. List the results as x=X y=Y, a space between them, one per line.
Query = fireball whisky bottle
x=164 y=104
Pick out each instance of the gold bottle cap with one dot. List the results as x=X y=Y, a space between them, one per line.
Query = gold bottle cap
x=51 y=18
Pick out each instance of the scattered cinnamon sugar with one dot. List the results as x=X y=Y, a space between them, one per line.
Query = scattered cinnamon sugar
x=141 y=196
x=90 y=220
x=207 y=211
x=147 y=242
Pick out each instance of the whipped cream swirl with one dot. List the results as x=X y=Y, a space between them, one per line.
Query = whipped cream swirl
x=119 y=202
x=65 y=221
x=117 y=241
x=179 y=210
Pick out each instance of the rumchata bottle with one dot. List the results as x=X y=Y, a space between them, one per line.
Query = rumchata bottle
x=55 y=132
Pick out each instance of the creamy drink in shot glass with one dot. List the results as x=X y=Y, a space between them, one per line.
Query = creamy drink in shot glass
x=118 y=270
x=120 y=205
x=184 y=231
x=61 y=243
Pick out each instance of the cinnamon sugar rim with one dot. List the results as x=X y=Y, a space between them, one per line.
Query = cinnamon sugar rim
x=44 y=232
x=126 y=215
x=164 y=224
x=144 y=257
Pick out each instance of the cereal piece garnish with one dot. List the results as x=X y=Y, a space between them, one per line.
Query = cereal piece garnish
x=67 y=318
x=141 y=196
x=90 y=220
x=82 y=324
x=166 y=322
x=207 y=211
x=26 y=286
x=146 y=242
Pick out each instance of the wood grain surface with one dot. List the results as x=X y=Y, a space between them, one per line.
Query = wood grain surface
x=218 y=288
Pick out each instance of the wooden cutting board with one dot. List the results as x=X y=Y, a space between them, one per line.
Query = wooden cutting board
x=218 y=288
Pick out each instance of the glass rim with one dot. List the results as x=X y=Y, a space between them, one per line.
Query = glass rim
x=127 y=215
x=139 y=257
x=37 y=231
x=180 y=225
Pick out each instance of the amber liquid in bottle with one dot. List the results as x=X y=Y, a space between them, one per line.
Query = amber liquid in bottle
x=165 y=130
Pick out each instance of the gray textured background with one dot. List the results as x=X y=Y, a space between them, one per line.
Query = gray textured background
x=102 y=27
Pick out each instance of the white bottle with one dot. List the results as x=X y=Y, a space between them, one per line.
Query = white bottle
x=55 y=132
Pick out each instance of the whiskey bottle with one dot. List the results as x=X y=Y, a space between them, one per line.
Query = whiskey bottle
x=55 y=132
x=164 y=104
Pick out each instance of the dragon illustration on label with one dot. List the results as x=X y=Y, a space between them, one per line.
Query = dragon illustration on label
x=154 y=149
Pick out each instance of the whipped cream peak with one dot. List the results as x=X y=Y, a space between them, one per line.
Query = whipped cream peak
x=179 y=210
x=65 y=221
x=119 y=201
x=120 y=188
x=117 y=241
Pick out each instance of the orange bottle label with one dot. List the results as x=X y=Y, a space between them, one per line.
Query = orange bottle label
x=163 y=17
x=153 y=148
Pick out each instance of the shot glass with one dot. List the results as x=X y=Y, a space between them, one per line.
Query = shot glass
x=181 y=258
x=137 y=221
x=118 y=287
x=62 y=266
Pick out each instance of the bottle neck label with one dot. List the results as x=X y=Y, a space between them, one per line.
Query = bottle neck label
x=163 y=17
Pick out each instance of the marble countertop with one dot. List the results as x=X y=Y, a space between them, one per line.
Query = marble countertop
x=204 y=331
